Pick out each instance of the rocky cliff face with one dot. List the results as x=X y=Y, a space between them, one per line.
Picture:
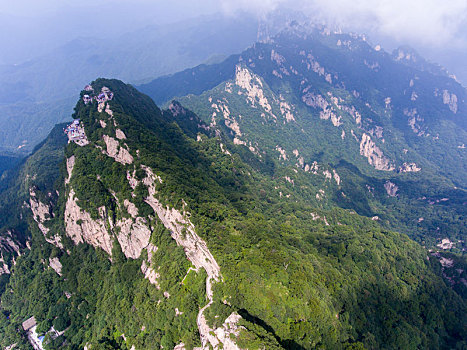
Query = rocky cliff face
x=81 y=227
x=197 y=252
x=450 y=100
x=183 y=231
x=147 y=270
x=116 y=151
x=42 y=213
x=409 y=167
x=374 y=155
x=133 y=236
x=8 y=243
x=253 y=87
x=133 y=233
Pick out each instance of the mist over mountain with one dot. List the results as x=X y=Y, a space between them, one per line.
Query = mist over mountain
x=30 y=29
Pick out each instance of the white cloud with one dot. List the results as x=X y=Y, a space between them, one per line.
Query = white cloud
x=430 y=22
x=255 y=6
x=426 y=22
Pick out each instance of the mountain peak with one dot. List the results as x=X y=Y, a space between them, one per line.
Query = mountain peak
x=409 y=56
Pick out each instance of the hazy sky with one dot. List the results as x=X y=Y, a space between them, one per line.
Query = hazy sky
x=430 y=22
x=434 y=27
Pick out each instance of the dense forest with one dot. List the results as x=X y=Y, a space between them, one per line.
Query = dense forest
x=300 y=275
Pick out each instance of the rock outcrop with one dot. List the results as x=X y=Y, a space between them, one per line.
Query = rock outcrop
x=391 y=188
x=283 y=153
x=133 y=232
x=81 y=227
x=450 y=100
x=415 y=121
x=8 y=243
x=374 y=155
x=409 y=167
x=314 y=66
x=117 y=152
x=183 y=231
x=253 y=86
x=146 y=268
x=120 y=134
x=445 y=244
x=223 y=337
x=70 y=163
x=229 y=330
x=336 y=177
x=42 y=213
x=286 y=111
x=133 y=236
x=4 y=268
x=55 y=264
x=319 y=102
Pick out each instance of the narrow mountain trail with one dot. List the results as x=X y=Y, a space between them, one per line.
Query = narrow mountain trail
x=203 y=327
x=183 y=232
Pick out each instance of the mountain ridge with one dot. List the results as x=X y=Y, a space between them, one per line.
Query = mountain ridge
x=302 y=111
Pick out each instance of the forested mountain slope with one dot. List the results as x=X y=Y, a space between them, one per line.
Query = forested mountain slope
x=159 y=230
x=345 y=124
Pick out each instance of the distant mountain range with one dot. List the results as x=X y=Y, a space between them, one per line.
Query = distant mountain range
x=37 y=94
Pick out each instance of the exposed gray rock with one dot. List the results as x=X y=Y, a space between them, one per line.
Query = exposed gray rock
x=450 y=100
x=4 y=268
x=196 y=250
x=7 y=243
x=374 y=155
x=391 y=188
x=119 y=153
x=120 y=134
x=146 y=268
x=55 y=264
x=81 y=227
x=70 y=163
x=133 y=236
x=253 y=86
x=41 y=213
x=409 y=167
x=445 y=244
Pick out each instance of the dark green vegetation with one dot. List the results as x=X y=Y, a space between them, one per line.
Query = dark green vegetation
x=106 y=298
x=39 y=171
x=405 y=108
x=7 y=162
x=301 y=274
